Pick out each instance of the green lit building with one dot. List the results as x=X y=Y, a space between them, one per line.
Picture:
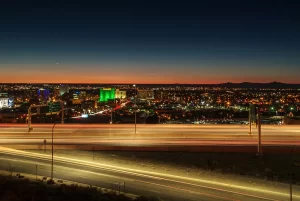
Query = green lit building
x=54 y=106
x=106 y=94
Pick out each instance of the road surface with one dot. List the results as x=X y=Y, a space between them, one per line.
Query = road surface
x=149 y=135
x=164 y=186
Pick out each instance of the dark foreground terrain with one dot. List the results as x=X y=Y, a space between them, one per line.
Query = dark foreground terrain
x=22 y=189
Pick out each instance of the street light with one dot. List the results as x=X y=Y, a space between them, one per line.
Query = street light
x=52 y=154
x=111 y=116
x=291 y=175
x=135 y=108
x=250 y=120
x=259 y=148
x=14 y=115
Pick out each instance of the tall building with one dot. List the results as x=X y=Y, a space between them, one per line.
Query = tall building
x=63 y=89
x=56 y=92
x=32 y=93
x=43 y=95
x=3 y=103
x=120 y=94
x=145 y=94
x=106 y=94
x=3 y=95
x=54 y=106
x=161 y=95
x=4 y=100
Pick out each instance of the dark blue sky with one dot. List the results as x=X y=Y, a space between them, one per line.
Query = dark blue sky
x=150 y=41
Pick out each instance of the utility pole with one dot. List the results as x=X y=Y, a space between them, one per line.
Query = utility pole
x=291 y=173
x=29 y=115
x=38 y=110
x=52 y=154
x=135 y=108
x=250 y=120
x=111 y=116
x=14 y=115
x=62 y=112
x=259 y=148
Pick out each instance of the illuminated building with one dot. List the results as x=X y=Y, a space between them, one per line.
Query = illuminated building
x=54 y=106
x=164 y=95
x=106 y=94
x=90 y=104
x=145 y=94
x=120 y=94
x=4 y=100
x=56 y=92
x=43 y=95
x=76 y=101
x=11 y=102
x=75 y=96
x=4 y=103
x=32 y=93
x=4 y=95
x=82 y=94
x=63 y=89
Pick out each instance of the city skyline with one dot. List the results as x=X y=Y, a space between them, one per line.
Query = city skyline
x=157 y=43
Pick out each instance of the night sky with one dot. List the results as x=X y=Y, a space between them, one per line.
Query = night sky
x=149 y=41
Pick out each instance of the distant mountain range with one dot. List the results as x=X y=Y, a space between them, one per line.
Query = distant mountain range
x=277 y=85
x=248 y=85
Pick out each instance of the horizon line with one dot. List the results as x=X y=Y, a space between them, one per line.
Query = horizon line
x=92 y=83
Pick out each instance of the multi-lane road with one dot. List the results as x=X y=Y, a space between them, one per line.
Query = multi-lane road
x=141 y=182
x=165 y=186
x=149 y=135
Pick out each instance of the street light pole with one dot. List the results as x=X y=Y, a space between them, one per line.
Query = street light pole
x=250 y=120
x=291 y=176
x=29 y=115
x=135 y=109
x=111 y=115
x=259 y=148
x=52 y=153
x=14 y=115
x=62 y=112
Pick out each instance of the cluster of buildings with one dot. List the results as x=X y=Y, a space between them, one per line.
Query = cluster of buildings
x=160 y=103
x=6 y=101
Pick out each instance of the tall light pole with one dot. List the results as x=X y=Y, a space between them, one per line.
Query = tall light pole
x=52 y=153
x=291 y=175
x=259 y=148
x=135 y=108
x=250 y=120
x=39 y=106
x=111 y=116
x=14 y=115
x=62 y=111
x=29 y=115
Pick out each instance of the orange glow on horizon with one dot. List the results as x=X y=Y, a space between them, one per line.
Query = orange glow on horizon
x=114 y=74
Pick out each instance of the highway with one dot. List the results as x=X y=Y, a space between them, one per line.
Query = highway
x=149 y=135
x=164 y=186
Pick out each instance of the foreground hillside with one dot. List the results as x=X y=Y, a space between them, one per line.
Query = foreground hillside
x=22 y=189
